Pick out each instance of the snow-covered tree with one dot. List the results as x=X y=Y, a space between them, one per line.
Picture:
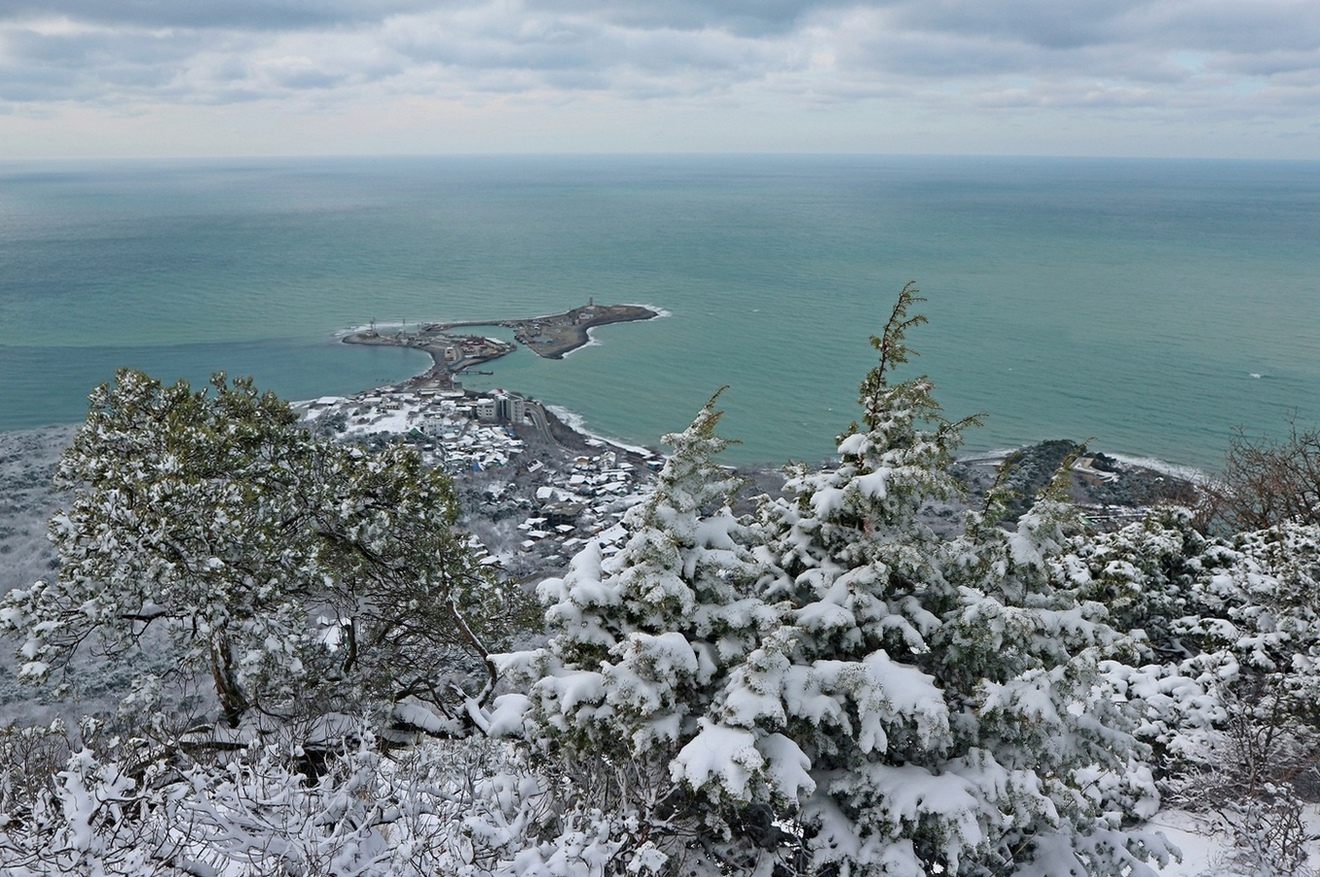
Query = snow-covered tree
x=642 y=640
x=933 y=704
x=874 y=699
x=291 y=570
x=409 y=611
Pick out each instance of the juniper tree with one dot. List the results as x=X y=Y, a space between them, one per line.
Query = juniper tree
x=933 y=702
x=642 y=640
x=1226 y=670
x=903 y=703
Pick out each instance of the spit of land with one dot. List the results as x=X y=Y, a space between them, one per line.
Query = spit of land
x=551 y=336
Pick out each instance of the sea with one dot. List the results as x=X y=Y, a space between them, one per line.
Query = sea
x=1151 y=306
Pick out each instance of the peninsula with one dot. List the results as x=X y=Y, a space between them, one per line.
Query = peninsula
x=551 y=336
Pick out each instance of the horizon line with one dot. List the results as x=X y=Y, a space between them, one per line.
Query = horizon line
x=325 y=156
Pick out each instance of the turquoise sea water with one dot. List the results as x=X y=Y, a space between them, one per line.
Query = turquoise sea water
x=1151 y=304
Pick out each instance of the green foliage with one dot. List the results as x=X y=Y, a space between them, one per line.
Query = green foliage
x=892 y=346
x=642 y=642
x=299 y=574
x=826 y=687
x=932 y=684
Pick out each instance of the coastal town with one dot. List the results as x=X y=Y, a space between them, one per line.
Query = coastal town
x=533 y=489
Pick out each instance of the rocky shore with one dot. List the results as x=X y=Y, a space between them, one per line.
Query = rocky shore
x=1110 y=491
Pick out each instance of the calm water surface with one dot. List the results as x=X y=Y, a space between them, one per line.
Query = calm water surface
x=1153 y=305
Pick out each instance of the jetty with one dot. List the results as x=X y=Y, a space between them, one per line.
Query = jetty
x=551 y=336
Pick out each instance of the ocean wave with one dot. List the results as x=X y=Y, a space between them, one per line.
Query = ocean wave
x=659 y=311
x=994 y=455
x=377 y=326
x=591 y=342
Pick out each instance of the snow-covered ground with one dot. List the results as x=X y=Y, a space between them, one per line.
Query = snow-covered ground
x=1208 y=849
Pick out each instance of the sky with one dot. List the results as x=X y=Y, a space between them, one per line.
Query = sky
x=139 y=78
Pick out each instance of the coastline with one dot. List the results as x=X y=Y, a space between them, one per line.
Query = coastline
x=1109 y=489
x=577 y=424
x=1115 y=490
x=1118 y=481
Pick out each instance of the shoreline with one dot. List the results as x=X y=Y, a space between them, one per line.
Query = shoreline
x=577 y=424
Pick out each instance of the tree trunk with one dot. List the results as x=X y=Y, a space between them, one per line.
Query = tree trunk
x=227 y=688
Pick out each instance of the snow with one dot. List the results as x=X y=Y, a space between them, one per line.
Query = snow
x=572 y=689
x=742 y=659
x=1206 y=849
x=910 y=792
x=787 y=767
x=418 y=715
x=874 y=486
x=507 y=718
x=719 y=753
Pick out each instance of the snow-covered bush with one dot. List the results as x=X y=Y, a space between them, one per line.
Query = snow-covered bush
x=64 y=810
x=1226 y=680
x=1228 y=632
x=459 y=807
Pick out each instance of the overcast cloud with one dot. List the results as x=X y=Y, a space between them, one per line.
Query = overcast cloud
x=1186 y=77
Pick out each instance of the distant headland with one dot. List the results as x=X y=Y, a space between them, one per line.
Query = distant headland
x=551 y=336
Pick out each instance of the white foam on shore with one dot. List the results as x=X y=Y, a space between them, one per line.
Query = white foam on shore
x=378 y=327
x=994 y=456
x=1177 y=470
x=659 y=311
x=578 y=424
x=591 y=342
